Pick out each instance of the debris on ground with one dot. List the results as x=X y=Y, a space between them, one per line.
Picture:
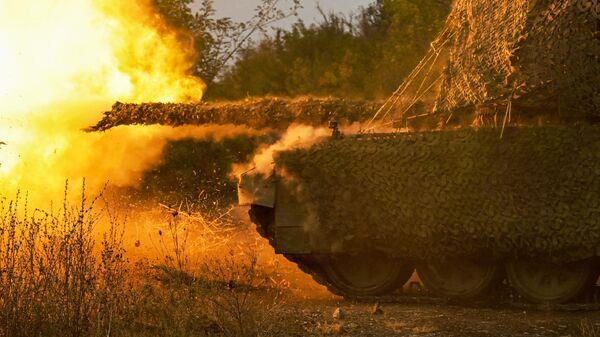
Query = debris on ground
x=339 y=313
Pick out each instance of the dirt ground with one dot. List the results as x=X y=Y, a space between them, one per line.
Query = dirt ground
x=317 y=317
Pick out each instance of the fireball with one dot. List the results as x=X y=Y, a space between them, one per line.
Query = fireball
x=63 y=62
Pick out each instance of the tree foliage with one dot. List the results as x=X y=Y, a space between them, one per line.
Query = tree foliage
x=365 y=55
x=218 y=39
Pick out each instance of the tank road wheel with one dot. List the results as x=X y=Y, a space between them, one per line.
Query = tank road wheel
x=545 y=282
x=459 y=279
x=366 y=275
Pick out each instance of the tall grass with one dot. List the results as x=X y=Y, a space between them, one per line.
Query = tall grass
x=55 y=279
x=63 y=275
x=588 y=329
x=203 y=259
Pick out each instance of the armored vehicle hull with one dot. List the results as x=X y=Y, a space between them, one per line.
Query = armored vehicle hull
x=463 y=207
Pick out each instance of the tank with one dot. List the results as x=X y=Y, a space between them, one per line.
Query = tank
x=502 y=182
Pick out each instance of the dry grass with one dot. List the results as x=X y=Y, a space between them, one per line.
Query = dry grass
x=59 y=276
x=54 y=277
x=589 y=329
x=201 y=259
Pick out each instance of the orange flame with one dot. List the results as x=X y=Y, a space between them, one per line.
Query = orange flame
x=62 y=62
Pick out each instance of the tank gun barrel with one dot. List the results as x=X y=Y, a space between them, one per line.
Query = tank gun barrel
x=273 y=113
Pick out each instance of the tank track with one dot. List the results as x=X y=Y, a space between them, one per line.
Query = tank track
x=503 y=297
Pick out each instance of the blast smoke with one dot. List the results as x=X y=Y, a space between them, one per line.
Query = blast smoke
x=296 y=136
x=62 y=62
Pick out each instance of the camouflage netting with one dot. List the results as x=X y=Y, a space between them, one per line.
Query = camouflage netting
x=274 y=113
x=534 y=193
x=545 y=51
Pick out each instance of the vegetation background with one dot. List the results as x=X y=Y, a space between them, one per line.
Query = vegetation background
x=362 y=55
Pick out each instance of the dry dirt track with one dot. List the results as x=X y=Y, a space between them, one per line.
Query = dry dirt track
x=315 y=317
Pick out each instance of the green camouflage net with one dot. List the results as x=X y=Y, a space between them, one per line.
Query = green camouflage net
x=259 y=113
x=536 y=192
x=542 y=55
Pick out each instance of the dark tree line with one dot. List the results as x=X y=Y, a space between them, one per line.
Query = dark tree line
x=364 y=55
